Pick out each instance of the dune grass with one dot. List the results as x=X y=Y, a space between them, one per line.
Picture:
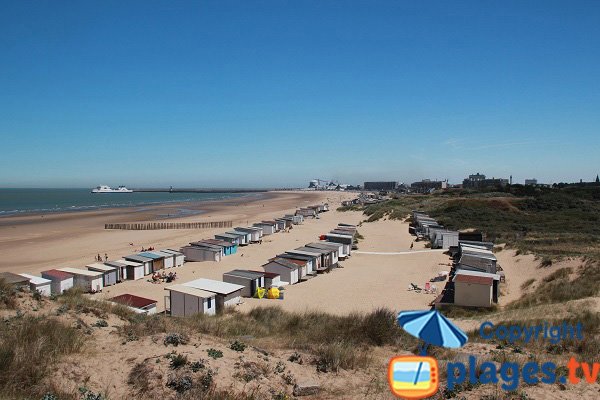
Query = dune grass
x=336 y=341
x=7 y=295
x=29 y=348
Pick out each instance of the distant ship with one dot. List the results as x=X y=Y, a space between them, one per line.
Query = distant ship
x=108 y=189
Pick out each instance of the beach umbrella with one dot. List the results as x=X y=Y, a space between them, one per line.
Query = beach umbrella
x=432 y=327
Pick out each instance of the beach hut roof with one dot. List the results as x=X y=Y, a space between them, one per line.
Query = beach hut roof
x=208 y=246
x=116 y=264
x=56 y=274
x=249 y=228
x=133 y=300
x=304 y=253
x=236 y=233
x=495 y=277
x=191 y=291
x=84 y=272
x=217 y=242
x=314 y=250
x=12 y=279
x=227 y=235
x=473 y=279
x=324 y=246
x=245 y=273
x=151 y=255
x=36 y=280
x=214 y=286
x=269 y=275
x=302 y=257
x=285 y=262
x=101 y=267
x=162 y=253
x=129 y=263
x=171 y=251
x=138 y=258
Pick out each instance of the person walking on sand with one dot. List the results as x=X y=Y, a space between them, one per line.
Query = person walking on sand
x=412 y=245
x=98 y=258
x=105 y=257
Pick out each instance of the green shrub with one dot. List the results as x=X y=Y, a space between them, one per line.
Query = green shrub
x=178 y=361
x=237 y=346
x=214 y=353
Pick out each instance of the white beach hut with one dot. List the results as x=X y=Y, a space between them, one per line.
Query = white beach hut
x=226 y=294
x=185 y=301
x=179 y=257
x=61 y=281
x=89 y=281
x=289 y=272
x=37 y=284
x=110 y=274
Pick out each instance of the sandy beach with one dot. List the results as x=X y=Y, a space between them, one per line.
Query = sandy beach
x=34 y=243
x=378 y=275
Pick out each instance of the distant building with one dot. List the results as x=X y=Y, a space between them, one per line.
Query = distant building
x=381 y=185
x=427 y=185
x=478 y=181
x=531 y=182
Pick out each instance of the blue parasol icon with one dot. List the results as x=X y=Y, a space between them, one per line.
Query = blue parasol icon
x=433 y=328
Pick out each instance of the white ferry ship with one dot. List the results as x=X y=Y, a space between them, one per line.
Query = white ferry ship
x=108 y=189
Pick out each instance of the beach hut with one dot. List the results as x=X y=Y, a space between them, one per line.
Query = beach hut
x=276 y=227
x=271 y=279
x=332 y=248
x=121 y=268
x=109 y=273
x=345 y=239
x=169 y=258
x=89 y=281
x=268 y=229
x=178 y=257
x=281 y=224
x=296 y=219
x=475 y=290
x=244 y=237
x=305 y=261
x=343 y=250
x=158 y=260
x=145 y=261
x=289 y=272
x=317 y=260
x=202 y=253
x=226 y=294
x=255 y=233
x=185 y=301
x=140 y=305
x=227 y=247
x=14 y=280
x=235 y=239
x=133 y=270
x=326 y=256
x=306 y=213
x=41 y=285
x=250 y=280
x=60 y=281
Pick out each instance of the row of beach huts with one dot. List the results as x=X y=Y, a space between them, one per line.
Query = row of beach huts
x=475 y=274
x=95 y=276
x=207 y=296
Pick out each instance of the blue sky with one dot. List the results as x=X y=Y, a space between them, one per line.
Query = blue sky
x=275 y=93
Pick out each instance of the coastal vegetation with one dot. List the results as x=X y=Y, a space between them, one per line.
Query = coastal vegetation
x=549 y=222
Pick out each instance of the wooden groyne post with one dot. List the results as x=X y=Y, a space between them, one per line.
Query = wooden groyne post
x=150 y=226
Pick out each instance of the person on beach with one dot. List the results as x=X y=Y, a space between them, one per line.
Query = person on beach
x=412 y=245
x=98 y=258
x=105 y=257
